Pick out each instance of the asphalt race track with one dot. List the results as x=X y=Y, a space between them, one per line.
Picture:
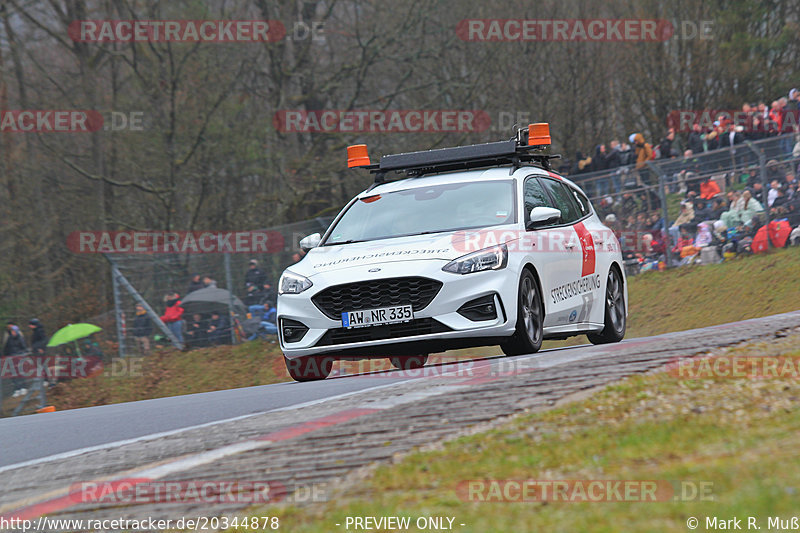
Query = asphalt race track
x=309 y=434
x=67 y=431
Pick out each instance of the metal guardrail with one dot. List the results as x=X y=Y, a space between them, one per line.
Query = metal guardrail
x=741 y=156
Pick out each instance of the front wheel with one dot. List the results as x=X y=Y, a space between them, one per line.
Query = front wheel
x=309 y=368
x=528 y=335
x=615 y=319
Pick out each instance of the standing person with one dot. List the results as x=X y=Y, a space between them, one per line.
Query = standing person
x=600 y=163
x=195 y=284
x=173 y=315
x=712 y=139
x=614 y=158
x=39 y=349
x=614 y=161
x=626 y=154
x=695 y=141
x=254 y=275
x=731 y=138
x=15 y=345
x=776 y=118
x=38 y=337
x=757 y=129
x=644 y=153
x=142 y=329
x=665 y=147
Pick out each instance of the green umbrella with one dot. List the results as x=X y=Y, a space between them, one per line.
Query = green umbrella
x=71 y=333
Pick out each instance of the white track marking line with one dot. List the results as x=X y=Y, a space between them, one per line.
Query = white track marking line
x=153 y=436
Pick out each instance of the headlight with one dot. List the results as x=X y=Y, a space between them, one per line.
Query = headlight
x=493 y=258
x=291 y=283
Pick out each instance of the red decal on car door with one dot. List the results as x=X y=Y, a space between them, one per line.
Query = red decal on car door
x=587 y=249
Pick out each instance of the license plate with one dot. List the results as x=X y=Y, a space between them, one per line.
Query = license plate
x=375 y=317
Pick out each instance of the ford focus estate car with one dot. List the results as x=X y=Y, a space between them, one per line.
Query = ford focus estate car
x=476 y=245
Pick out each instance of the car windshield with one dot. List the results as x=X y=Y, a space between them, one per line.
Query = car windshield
x=421 y=210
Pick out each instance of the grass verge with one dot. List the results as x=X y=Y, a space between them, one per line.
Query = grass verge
x=733 y=441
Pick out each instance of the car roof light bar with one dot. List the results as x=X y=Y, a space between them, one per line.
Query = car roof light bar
x=514 y=152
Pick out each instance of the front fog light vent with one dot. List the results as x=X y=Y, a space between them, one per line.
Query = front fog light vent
x=292 y=330
x=483 y=308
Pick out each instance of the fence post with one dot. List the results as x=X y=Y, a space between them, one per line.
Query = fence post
x=762 y=166
x=229 y=281
x=118 y=313
x=140 y=300
x=662 y=195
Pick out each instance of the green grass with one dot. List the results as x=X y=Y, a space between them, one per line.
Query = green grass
x=698 y=296
x=660 y=302
x=738 y=438
x=169 y=372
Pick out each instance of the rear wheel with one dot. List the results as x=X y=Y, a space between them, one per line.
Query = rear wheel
x=615 y=320
x=310 y=368
x=530 y=318
x=409 y=362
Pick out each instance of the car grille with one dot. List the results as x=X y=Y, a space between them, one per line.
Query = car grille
x=415 y=291
x=420 y=326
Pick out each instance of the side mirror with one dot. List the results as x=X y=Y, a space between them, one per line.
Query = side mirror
x=541 y=216
x=309 y=242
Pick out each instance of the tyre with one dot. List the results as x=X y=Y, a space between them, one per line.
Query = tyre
x=615 y=319
x=528 y=335
x=409 y=362
x=310 y=368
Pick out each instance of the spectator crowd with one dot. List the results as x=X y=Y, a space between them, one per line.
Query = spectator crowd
x=725 y=210
x=626 y=162
x=211 y=328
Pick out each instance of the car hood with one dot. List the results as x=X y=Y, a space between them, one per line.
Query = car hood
x=444 y=246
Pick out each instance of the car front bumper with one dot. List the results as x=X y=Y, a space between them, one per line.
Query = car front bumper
x=451 y=328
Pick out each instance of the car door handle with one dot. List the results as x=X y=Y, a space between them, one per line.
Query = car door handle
x=569 y=245
x=598 y=241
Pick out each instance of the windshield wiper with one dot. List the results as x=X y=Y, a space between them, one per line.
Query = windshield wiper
x=351 y=241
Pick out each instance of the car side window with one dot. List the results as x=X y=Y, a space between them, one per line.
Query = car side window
x=534 y=195
x=582 y=201
x=563 y=200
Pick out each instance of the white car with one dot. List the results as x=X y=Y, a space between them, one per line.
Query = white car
x=481 y=245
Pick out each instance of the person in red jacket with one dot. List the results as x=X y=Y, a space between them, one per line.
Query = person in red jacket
x=173 y=315
x=709 y=189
